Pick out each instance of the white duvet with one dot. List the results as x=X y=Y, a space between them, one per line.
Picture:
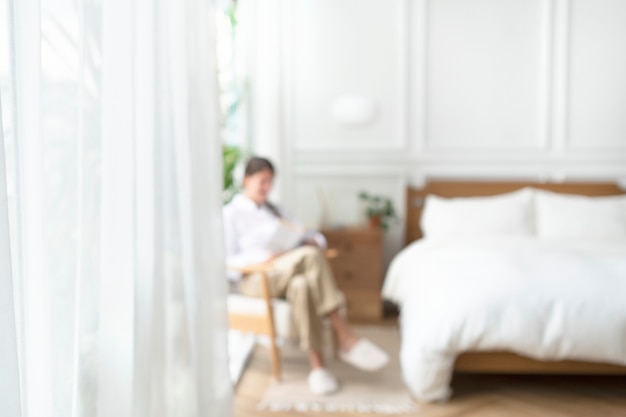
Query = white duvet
x=543 y=299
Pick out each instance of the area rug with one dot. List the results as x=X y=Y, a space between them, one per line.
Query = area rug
x=379 y=392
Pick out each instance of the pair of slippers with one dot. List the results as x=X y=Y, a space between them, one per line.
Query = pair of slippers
x=364 y=355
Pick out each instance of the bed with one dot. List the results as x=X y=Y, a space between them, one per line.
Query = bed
x=543 y=297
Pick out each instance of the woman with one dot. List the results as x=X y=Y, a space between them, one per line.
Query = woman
x=299 y=273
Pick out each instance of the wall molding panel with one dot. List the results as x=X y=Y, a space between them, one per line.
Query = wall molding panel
x=560 y=76
x=316 y=74
x=487 y=74
x=341 y=195
x=475 y=89
x=597 y=64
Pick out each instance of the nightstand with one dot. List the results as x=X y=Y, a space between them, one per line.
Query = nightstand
x=358 y=269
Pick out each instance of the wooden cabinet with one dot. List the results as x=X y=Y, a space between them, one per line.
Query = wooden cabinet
x=358 y=269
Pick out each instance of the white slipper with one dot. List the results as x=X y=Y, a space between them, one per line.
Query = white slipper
x=322 y=382
x=365 y=356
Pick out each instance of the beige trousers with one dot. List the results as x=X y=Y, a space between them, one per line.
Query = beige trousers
x=304 y=278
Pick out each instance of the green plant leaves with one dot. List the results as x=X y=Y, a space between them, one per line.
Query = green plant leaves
x=379 y=206
x=230 y=157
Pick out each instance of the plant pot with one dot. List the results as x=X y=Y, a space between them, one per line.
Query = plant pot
x=375 y=222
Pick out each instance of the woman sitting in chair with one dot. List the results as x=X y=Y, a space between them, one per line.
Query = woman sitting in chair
x=299 y=273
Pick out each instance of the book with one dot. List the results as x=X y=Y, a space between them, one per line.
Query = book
x=286 y=237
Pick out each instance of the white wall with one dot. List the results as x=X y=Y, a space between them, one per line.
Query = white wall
x=529 y=89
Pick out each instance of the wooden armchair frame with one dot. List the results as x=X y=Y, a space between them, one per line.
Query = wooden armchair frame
x=263 y=324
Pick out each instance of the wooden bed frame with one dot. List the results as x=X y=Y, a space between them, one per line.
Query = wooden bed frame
x=507 y=362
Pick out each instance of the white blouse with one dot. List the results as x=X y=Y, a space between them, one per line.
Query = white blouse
x=248 y=229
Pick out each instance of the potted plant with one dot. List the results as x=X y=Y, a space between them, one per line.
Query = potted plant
x=379 y=210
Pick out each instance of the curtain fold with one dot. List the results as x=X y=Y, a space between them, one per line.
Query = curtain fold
x=10 y=404
x=115 y=301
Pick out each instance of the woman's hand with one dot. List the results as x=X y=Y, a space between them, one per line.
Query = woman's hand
x=273 y=257
x=310 y=242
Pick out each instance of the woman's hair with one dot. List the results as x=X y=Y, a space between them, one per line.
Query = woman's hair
x=257 y=164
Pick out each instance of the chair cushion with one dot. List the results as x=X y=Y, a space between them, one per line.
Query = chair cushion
x=283 y=321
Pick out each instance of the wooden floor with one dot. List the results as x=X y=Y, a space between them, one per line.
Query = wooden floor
x=477 y=395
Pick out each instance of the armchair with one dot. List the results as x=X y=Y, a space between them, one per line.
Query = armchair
x=271 y=317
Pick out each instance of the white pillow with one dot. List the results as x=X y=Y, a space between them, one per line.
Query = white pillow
x=508 y=214
x=573 y=216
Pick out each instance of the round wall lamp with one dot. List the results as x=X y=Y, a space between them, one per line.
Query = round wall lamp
x=354 y=110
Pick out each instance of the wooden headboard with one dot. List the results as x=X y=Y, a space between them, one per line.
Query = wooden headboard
x=416 y=196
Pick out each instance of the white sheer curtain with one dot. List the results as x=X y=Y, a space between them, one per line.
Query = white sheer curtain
x=112 y=297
